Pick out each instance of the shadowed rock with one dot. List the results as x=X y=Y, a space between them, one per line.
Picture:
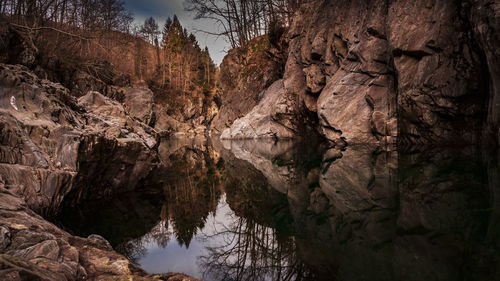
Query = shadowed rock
x=381 y=72
x=54 y=149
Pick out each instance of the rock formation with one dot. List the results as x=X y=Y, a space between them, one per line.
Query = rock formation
x=55 y=148
x=383 y=72
x=265 y=120
x=245 y=73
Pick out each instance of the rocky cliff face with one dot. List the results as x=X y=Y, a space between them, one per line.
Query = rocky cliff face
x=264 y=120
x=382 y=72
x=245 y=73
x=55 y=149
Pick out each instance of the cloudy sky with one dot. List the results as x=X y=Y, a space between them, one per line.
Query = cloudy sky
x=161 y=9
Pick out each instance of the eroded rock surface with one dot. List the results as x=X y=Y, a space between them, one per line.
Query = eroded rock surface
x=55 y=148
x=383 y=72
x=245 y=73
x=269 y=119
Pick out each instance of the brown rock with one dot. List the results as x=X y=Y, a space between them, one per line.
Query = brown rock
x=55 y=148
x=394 y=72
x=315 y=79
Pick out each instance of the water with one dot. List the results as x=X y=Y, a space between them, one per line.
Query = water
x=298 y=211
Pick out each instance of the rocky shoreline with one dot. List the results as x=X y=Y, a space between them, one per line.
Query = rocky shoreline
x=55 y=148
x=376 y=73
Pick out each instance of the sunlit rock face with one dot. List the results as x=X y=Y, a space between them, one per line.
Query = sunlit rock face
x=272 y=118
x=381 y=72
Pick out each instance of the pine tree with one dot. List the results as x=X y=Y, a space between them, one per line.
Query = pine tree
x=186 y=66
x=150 y=30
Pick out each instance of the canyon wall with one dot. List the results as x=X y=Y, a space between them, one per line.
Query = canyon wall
x=385 y=72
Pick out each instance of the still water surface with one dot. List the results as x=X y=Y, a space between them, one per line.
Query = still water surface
x=292 y=211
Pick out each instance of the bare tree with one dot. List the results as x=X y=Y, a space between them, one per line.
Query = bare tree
x=242 y=20
x=150 y=30
x=87 y=14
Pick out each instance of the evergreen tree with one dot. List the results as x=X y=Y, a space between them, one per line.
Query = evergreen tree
x=186 y=66
x=150 y=30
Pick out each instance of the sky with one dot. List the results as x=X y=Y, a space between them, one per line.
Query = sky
x=161 y=9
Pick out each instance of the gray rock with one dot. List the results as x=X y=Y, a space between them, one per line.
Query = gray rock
x=269 y=119
x=383 y=72
x=139 y=104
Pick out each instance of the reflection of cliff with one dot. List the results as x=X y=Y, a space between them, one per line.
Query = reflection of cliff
x=446 y=210
x=180 y=192
x=288 y=167
x=127 y=216
x=266 y=157
x=248 y=192
x=366 y=215
x=355 y=214
x=259 y=243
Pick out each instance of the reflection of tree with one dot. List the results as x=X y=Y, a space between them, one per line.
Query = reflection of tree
x=160 y=234
x=188 y=213
x=249 y=251
x=135 y=249
x=192 y=192
x=132 y=249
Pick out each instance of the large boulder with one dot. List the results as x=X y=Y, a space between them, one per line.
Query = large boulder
x=269 y=119
x=245 y=73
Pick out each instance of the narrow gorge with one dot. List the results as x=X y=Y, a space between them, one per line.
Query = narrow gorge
x=352 y=140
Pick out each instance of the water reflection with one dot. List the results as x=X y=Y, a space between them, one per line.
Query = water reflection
x=246 y=250
x=299 y=211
